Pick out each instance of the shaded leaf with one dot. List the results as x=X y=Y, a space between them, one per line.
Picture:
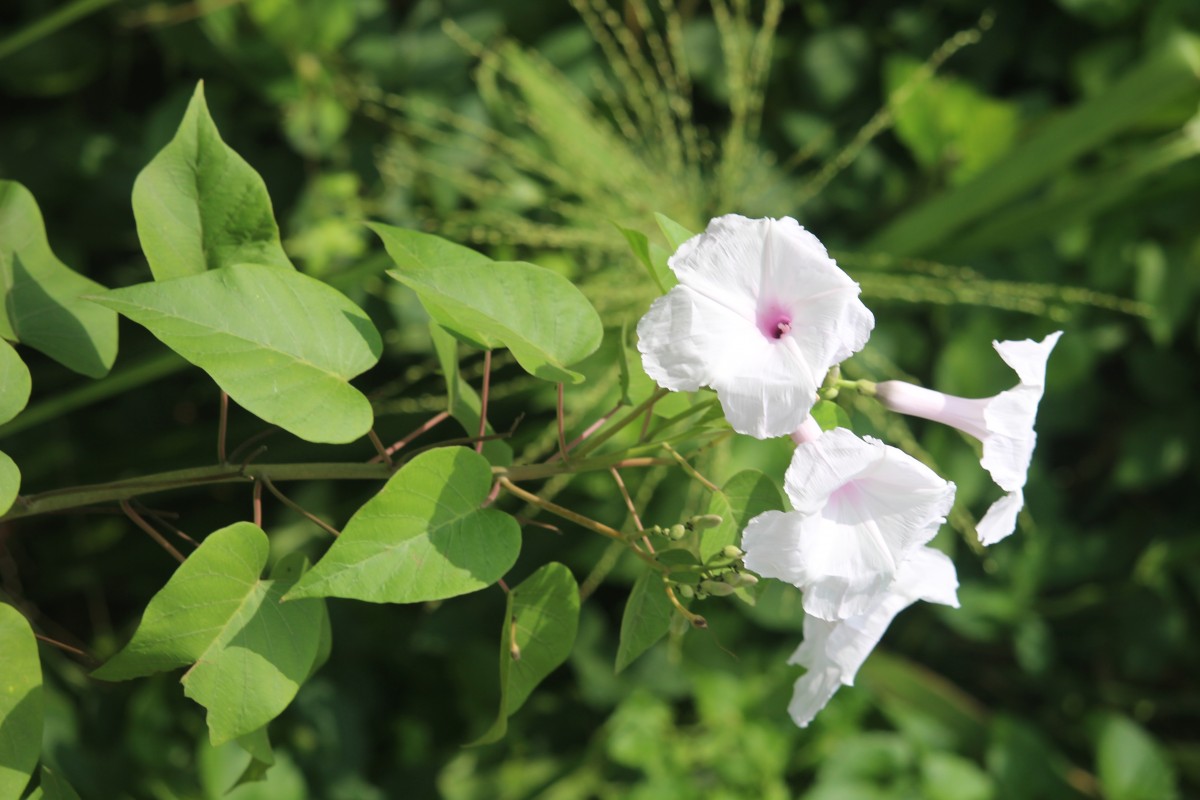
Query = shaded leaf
x=540 y=621
x=646 y=618
x=536 y=313
x=830 y=415
x=248 y=651
x=44 y=298
x=423 y=537
x=54 y=787
x=21 y=703
x=282 y=344
x=199 y=206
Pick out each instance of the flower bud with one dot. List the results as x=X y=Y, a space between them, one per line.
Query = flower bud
x=732 y=551
x=739 y=580
x=677 y=532
x=702 y=522
x=717 y=588
x=685 y=591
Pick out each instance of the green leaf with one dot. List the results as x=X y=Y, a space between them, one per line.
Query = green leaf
x=423 y=537
x=646 y=618
x=199 y=206
x=743 y=497
x=464 y=403
x=663 y=278
x=536 y=313
x=830 y=415
x=282 y=344
x=248 y=651
x=43 y=299
x=540 y=622
x=21 y=702
x=256 y=743
x=1131 y=765
x=10 y=482
x=15 y=382
x=676 y=234
x=947 y=123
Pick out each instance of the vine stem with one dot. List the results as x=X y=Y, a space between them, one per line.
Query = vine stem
x=483 y=399
x=136 y=518
x=77 y=497
x=619 y=425
x=578 y=519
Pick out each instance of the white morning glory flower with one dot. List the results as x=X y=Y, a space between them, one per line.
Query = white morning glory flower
x=760 y=314
x=861 y=508
x=1003 y=423
x=834 y=651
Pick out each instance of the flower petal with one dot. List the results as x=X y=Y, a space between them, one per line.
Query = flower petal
x=724 y=262
x=1028 y=358
x=680 y=333
x=1001 y=518
x=833 y=652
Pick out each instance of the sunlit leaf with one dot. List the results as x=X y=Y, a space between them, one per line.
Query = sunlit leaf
x=200 y=206
x=15 y=382
x=21 y=702
x=743 y=497
x=282 y=344
x=247 y=651
x=676 y=234
x=536 y=313
x=540 y=622
x=10 y=482
x=43 y=297
x=423 y=537
x=663 y=278
x=646 y=618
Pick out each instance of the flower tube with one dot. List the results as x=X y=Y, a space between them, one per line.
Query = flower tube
x=760 y=314
x=834 y=651
x=1003 y=423
x=860 y=509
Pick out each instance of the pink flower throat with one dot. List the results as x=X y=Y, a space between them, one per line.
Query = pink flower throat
x=774 y=322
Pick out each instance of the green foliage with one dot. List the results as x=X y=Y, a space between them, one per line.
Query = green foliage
x=423 y=537
x=540 y=621
x=247 y=651
x=743 y=497
x=539 y=315
x=21 y=702
x=1131 y=765
x=282 y=344
x=15 y=385
x=646 y=619
x=200 y=206
x=44 y=299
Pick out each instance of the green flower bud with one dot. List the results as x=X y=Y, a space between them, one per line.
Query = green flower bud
x=702 y=522
x=717 y=588
x=685 y=591
x=730 y=551
x=739 y=579
x=677 y=532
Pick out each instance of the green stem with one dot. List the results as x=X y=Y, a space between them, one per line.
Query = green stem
x=43 y=27
x=76 y=497
x=621 y=424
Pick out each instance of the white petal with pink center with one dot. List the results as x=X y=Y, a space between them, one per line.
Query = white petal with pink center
x=860 y=508
x=834 y=651
x=1003 y=423
x=760 y=314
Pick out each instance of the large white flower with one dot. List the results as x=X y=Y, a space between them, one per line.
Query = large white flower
x=1004 y=423
x=860 y=508
x=834 y=651
x=760 y=314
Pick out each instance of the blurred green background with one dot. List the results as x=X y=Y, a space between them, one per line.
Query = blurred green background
x=1044 y=178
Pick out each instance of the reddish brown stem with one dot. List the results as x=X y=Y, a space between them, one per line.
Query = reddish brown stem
x=150 y=530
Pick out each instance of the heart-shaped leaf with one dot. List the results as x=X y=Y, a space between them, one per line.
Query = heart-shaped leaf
x=248 y=652
x=20 y=702
x=199 y=206
x=44 y=303
x=423 y=537
x=536 y=313
x=282 y=344
x=541 y=619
